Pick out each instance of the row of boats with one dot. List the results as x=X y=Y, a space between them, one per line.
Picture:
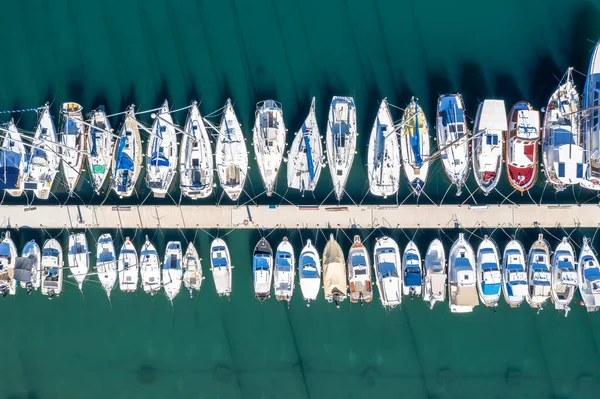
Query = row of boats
x=467 y=277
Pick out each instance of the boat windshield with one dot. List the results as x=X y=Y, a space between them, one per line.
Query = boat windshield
x=50 y=252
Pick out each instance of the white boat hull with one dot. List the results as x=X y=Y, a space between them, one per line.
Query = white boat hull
x=231 y=154
x=269 y=142
x=341 y=142
x=161 y=153
x=196 y=162
x=383 y=160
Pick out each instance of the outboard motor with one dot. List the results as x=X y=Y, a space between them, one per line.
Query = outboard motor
x=308 y=303
x=4 y=292
x=29 y=288
x=51 y=294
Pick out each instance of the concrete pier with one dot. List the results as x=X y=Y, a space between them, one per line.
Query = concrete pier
x=305 y=217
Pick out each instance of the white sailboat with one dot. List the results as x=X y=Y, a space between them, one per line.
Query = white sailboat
x=231 y=154
x=44 y=158
x=172 y=273
x=412 y=271
x=489 y=273
x=106 y=263
x=269 y=142
x=462 y=281
x=13 y=158
x=192 y=269
x=161 y=153
x=32 y=251
x=305 y=157
x=284 y=271
x=100 y=141
x=514 y=277
x=488 y=136
x=591 y=123
x=78 y=258
x=150 y=268
x=453 y=138
x=414 y=143
x=386 y=256
x=589 y=277
x=127 y=267
x=341 y=141
x=309 y=272
x=435 y=277
x=8 y=258
x=335 y=286
x=73 y=141
x=538 y=273
x=562 y=150
x=564 y=276
x=359 y=273
x=127 y=160
x=262 y=269
x=220 y=265
x=383 y=158
x=52 y=269
x=196 y=166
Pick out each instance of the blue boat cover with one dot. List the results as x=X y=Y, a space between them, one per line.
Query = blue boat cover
x=562 y=137
x=219 y=262
x=462 y=263
x=358 y=260
x=415 y=140
x=9 y=169
x=450 y=112
x=592 y=274
x=159 y=160
x=93 y=134
x=49 y=252
x=310 y=272
x=489 y=266
x=539 y=267
x=387 y=267
x=515 y=267
x=260 y=263
x=541 y=282
x=412 y=277
x=565 y=265
x=311 y=168
x=490 y=289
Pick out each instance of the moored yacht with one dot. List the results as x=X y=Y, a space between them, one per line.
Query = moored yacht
x=220 y=265
x=100 y=141
x=106 y=263
x=489 y=276
x=387 y=262
x=13 y=157
x=192 y=270
x=78 y=258
x=262 y=269
x=359 y=273
x=564 y=276
x=514 y=276
x=414 y=143
x=521 y=146
x=334 y=272
x=462 y=280
x=434 y=276
x=52 y=269
x=591 y=122
x=127 y=159
x=269 y=142
x=150 y=268
x=284 y=271
x=172 y=273
x=538 y=273
x=161 y=153
x=127 y=267
x=589 y=277
x=32 y=251
x=383 y=160
x=73 y=141
x=412 y=271
x=309 y=272
x=341 y=142
x=488 y=135
x=8 y=258
x=231 y=154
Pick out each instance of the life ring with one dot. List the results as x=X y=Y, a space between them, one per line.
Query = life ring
x=595 y=181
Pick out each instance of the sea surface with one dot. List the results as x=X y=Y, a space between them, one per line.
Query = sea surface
x=115 y=53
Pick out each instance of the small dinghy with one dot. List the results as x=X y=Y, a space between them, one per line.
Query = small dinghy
x=73 y=141
x=414 y=143
x=562 y=150
x=13 y=157
x=285 y=271
x=100 y=141
x=388 y=264
x=462 y=281
x=220 y=265
x=538 y=271
x=305 y=157
x=127 y=267
x=269 y=142
x=514 y=275
x=435 y=277
x=564 y=276
x=334 y=272
x=453 y=138
x=127 y=161
x=52 y=269
x=309 y=272
x=8 y=258
x=172 y=273
x=521 y=146
x=106 y=263
x=589 y=277
x=231 y=154
x=341 y=142
x=32 y=251
x=192 y=270
x=488 y=134
x=44 y=158
x=591 y=122
x=359 y=273
x=489 y=275
x=412 y=272
x=195 y=160
x=150 y=268
x=383 y=160
x=262 y=269
x=78 y=258
x=161 y=153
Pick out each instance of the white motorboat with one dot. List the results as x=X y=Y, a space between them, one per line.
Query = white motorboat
x=341 y=142
x=435 y=277
x=220 y=265
x=44 y=158
x=334 y=272
x=414 y=143
x=269 y=142
x=284 y=271
x=73 y=141
x=591 y=123
x=127 y=160
x=489 y=273
x=106 y=263
x=262 y=269
x=150 y=268
x=309 y=272
x=538 y=273
x=589 y=277
x=172 y=273
x=305 y=157
x=564 y=276
x=32 y=251
x=100 y=141
x=462 y=280
x=52 y=269
x=128 y=267
x=192 y=270
x=359 y=273
x=13 y=158
x=453 y=138
x=231 y=154
x=383 y=159
x=388 y=264
x=78 y=258
x=412 y=271
x=161 y=153
x=514 y=276
x=196 y=166
x=521 y=146
x=8 y=258
x=488 y=136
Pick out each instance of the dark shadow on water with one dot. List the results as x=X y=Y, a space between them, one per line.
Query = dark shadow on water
x=584 y=33
x=75 y=89
x=506 y=88
x=162 y=94
x=146 y=374
x=545 y=78
x=473 y=86
x=437 y=83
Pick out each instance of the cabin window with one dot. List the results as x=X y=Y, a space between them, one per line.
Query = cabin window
x=491 y=140
x=561 y=169
x=579 y=170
